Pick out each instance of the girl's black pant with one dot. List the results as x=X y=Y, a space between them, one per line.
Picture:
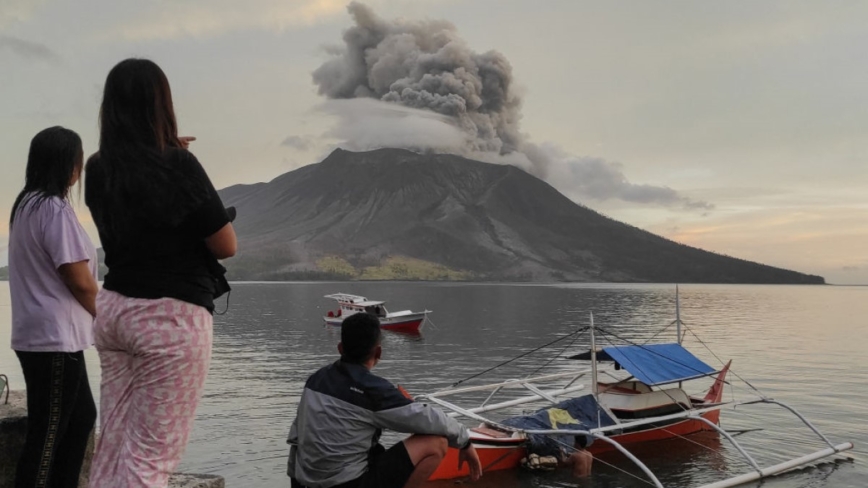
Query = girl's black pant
x=60 y=416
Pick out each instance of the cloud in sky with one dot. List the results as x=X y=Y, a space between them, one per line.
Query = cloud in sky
x=811 y=233
x=159 y=21
x=723 y=102
x=297 y=142
x=599 y=179
x=364 y=124
x=148 y=21
x=427 y=65
x=12 y=11
x=27 y=49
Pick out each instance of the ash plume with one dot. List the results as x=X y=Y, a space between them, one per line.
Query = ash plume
x=425 y=65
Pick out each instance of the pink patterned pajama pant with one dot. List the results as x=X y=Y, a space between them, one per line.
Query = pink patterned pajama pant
x=154 y=356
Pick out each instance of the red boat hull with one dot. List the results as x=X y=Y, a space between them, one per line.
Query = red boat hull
x=509 y=454
x=492 y=458
x=411 y=326
x=495 y=458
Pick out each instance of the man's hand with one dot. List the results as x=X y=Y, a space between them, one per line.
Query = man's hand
x=468 y=454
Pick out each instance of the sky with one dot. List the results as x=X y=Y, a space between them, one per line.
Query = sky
x=738 y=127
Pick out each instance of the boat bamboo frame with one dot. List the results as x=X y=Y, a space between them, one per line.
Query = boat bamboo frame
x=602 y=433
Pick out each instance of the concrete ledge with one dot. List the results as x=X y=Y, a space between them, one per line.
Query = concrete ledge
x=13 y=429
x=180 y=480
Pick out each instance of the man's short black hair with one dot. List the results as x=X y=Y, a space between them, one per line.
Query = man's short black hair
x=360 y=334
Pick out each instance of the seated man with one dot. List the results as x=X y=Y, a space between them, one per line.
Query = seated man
x=342 y=412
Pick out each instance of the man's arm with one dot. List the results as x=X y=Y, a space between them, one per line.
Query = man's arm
x=292 y=440
x=394 y=409
x=419 y=418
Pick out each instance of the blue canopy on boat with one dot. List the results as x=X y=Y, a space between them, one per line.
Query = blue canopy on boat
x=654 y=364
x=658 y=364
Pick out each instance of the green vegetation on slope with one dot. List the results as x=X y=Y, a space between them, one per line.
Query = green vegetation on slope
x=404 y=268
x=337 y=268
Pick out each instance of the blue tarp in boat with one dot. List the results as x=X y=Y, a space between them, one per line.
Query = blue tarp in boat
x=657 y=364
x=578 y=413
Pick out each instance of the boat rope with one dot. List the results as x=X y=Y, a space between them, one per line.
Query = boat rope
x=664 y=329
x=787 y=436
x=704 y=344
x=721 y=361
x=428 y=319
x=722 y=452
x=504 y=363
x=628 y=341
x=731 y=459
x=570 y=448
x=554 y=356
x=710 y=351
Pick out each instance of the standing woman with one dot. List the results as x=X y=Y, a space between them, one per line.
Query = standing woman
x=52 y=281
x=162 y=226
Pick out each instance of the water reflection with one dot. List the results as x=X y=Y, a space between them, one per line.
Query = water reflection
x=687 y=461
x=274 y=337
x=803 y=345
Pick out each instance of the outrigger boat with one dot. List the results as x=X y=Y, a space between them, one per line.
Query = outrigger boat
x=403 y=321
x=648 y=405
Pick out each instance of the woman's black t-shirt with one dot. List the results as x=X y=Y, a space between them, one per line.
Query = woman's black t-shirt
x=146 y=259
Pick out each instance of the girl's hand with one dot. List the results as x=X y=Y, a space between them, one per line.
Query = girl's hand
x=186 y=140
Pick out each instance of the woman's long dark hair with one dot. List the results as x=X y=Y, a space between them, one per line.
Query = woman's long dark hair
x=55 y=156
x=137 y=128
x=137 y=111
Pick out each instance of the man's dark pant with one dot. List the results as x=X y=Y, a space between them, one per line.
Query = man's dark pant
x=386 y=469
x=60 y=417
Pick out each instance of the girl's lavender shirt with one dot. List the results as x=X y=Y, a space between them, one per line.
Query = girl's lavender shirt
x=45 y=314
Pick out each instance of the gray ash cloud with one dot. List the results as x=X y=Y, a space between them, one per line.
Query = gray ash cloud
x=426 y=65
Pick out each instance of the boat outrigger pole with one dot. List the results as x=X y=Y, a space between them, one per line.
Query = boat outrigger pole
x=678 y=322
x=594 y=380
x=677 y=315
x=593 y=359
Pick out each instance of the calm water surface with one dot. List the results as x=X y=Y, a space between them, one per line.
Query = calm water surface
x=801 y=345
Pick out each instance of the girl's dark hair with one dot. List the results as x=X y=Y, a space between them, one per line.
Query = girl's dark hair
x=137 y=129
x=137 y=110
x=55 y=155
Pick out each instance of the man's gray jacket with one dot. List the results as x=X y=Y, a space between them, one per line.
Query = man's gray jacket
x=342 y=412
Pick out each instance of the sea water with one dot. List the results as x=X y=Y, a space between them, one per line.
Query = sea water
x=803 y=345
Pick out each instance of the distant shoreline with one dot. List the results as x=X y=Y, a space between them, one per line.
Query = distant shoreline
x=4 y=277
